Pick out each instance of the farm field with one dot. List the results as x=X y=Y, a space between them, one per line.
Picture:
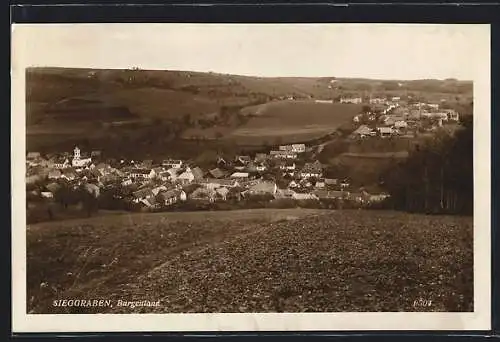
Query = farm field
x=264 y=260
x=292 y=121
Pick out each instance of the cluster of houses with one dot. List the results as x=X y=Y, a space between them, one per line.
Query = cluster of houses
x=371 y=100
x=403 y=120
x=282 y=173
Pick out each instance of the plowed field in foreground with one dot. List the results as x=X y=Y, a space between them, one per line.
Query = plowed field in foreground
x=291 y=260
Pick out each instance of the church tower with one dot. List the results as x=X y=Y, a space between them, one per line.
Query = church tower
x=76 y=153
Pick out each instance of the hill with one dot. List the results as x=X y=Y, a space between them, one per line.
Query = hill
x=290 y=260
x=64 y=105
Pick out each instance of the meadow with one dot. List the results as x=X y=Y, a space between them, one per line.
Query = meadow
x=292 y=121
x=262 y=260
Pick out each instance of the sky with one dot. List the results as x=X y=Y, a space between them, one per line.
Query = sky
x=380 y=51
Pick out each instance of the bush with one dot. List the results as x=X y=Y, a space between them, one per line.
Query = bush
x=282 y=203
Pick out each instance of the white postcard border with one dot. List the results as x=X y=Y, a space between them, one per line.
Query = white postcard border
x=480 y=319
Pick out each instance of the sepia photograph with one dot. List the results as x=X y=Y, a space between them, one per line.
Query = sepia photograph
x=286 y=176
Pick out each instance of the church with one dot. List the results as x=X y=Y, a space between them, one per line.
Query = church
x=78 y=160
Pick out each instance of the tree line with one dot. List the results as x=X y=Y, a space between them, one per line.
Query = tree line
x=437 y=177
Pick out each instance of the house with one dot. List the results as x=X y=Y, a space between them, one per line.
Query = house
x=244 y=160
x=260 y=167
x=311 y=170
x=293 y=184
x=239 y=175
x=304 y=196
x=172 y=163
x=295 y=148
x=395 y=98
x=330 y=182
x=174 y=173
x=61 y=162
x=377 y=100
x=142 y=174
x=320 y=184
x=287 y=165
x=187 y=176
x=103 y=169
x=353 y=100
x=126 y=182
x=298 y=148
x=217 y=183
x=385 y=131
x=217 y=173
x=375 y=197
x=262 y=188
x=142 y=194
x=305 y=184
x=362 y=131
x=150 y=202
x=400 y=124
x=47 y=194
x=172 y=196
x=163 y=176
x=283 y=154
x=254 y=167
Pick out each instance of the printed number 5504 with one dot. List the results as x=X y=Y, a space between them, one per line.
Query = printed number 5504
x=422 y=302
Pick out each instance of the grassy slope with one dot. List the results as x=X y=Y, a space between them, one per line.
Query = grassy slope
x=256 y=260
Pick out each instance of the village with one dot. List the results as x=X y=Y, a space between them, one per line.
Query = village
x=146 y=185
x=397 y=117
x=285 y=174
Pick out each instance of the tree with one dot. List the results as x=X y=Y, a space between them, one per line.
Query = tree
x=437 y=177
x=89 y=200
x=366 y=109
